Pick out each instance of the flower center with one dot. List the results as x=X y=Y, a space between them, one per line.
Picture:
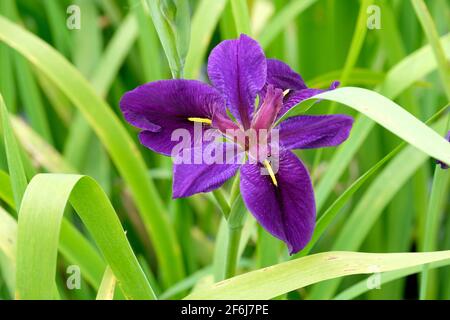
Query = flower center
x=267 y=113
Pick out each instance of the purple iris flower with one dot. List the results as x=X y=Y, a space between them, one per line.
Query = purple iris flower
x=281 y=200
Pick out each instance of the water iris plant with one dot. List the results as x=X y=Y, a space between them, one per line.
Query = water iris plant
x=86 y=212
x=249 y=93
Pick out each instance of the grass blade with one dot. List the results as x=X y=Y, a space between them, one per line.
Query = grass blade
x=273 y=281
x=15 y=165
x=203 y=24
x=38 y=234
x=241 y=16
x=414 y=67
x=113 y=136
x=371 y=205
x=279 y=22
x=106 y=290
x=389 y=115
x=362 y=287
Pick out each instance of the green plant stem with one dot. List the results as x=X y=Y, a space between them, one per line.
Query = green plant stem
x=235 y=224
x=438 y=192
x=235 y=189
x=219 y=196
x=234 y=213
x=234 y=237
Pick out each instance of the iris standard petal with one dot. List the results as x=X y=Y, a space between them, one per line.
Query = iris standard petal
x=287 y=211
x=306 y=132
x=295 y=97
x=159 y=108
x=281 y=76
x=237 y=68
x=206 y=168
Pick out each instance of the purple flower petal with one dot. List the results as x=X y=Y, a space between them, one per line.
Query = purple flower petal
x=203 y=169
x=237 y=68
x=161 y=107
x=295 y=97
x=281 y=76
x=306 y=132
x=287 y=211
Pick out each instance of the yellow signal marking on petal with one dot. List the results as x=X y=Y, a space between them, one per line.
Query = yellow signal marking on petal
x=269 y=169
x=201 y=120
x=285 y=92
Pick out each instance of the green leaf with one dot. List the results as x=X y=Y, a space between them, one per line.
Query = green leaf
x=356 y=77
x=270 y=282
x=362 y=287
x=279 y=22
x=6 y=193
x=426 y=20
x=389 y=115
x=8 y=235
x=435 y=214
x=204 y=22
x=241 y=16
x=8 y=238
x=113 y=136
x=414 y=67
x=80 y=133
x=40 y=150
x=439 y=188
x=172 y=23
x=148 y=42
x=106 y=290
x=29 y=92
x=371 y=205
x=328 y=216
x=15 y=165
x=38 y=235
x=186 y=283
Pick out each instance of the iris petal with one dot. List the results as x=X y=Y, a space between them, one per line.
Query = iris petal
x=295 y=97
x=159 y=108
x=306 y=132
x=195 y=174
x=281 y=76
x=287 y=211
x=237 y=68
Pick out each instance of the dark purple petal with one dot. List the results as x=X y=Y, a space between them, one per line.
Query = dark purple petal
x=439 y=162
x=281 y=76
x=306 y=132
x=287 y=211
x=203 y=169
x=237 y=68
x=295 y=97
x=159 y=108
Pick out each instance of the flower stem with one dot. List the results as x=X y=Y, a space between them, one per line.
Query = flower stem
x=234 y=237
x=221 y=201
x=235 y=221
x=234 y=212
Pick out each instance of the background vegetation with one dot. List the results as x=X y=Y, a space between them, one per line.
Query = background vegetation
x=91 y=180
